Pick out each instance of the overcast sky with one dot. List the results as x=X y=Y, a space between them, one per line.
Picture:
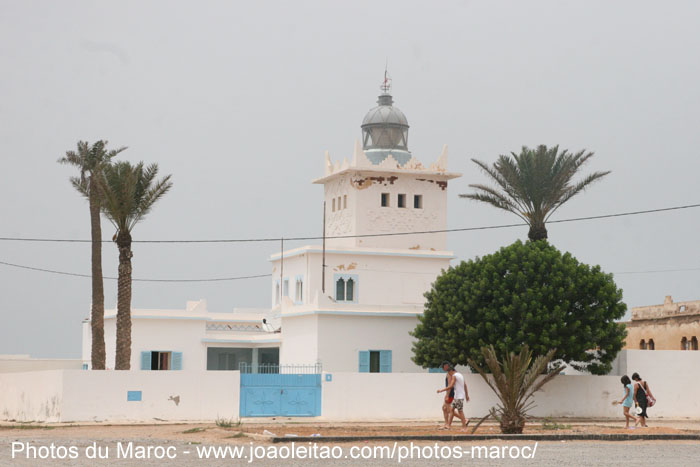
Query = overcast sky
x=239 y=101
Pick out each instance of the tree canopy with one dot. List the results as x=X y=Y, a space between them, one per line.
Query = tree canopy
x=524 y=294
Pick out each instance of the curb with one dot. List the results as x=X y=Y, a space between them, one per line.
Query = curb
x=529 y=437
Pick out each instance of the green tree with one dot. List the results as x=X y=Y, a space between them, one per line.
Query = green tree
x=525 y=293
x=534 y=184
x=91 y=160
x=130 y=191
x=515 y=379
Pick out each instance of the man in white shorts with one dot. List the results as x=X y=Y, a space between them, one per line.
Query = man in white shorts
x=461 y=396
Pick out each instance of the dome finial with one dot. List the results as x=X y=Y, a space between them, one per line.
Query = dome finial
x=386 y=84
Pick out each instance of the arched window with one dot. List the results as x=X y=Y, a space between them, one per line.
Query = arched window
x=684 y=343
x=340 y=290
x=694 y=343
x=346 y=288
x=642 y=345
x=350 y=290
x=650 y=345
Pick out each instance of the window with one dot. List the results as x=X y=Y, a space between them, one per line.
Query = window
x=228 y=358
x=375 y=361
x=345 y=201
x=642 y=345
x=286 y=288
x=650 y=345
x=340 y=290
x=402 y=200
x=385 y=200
x=684 y=343
x=333 y=204
x=299 y=290
x=161 y=360
x=340 y=206
x=418 y=201
x=346 y=288
x=277 y=293
x=693 y=343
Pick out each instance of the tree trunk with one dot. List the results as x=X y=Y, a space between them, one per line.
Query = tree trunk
x=537 y=232
x=97 y=315
x=123 y=358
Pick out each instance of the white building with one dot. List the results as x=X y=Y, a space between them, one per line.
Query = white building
x=193 y=338
x=354 y=314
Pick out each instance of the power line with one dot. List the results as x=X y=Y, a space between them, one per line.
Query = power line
x=658 y=271
x=419 y=232
x=222 y=279
x=63 y=273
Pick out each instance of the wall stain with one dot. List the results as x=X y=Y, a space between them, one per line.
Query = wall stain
x=441 y=183
x=364 y=183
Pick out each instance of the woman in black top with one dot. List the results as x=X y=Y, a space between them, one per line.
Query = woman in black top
x=641 y=391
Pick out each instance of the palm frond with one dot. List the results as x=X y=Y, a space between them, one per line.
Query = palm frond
x=130 y=191
x=534 y=183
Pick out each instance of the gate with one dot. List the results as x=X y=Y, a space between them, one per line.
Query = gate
x=280 y=390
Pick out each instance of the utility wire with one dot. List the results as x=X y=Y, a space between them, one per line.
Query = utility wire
x=420 y=232
x=223 y=279
x=63 y=273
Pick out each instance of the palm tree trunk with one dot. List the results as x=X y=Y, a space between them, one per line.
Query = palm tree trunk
x=98 y=296
x=537 y=232
x=123 y=357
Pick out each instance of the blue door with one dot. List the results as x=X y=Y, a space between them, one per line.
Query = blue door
x=289 y=395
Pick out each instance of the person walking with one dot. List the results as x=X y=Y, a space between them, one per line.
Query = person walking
x=642 y=397
x=461 y=396
x=447 y=409
x=627 y=401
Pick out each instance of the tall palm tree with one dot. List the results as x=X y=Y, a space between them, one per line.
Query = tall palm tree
x=130 y=191
x=91 y=160
x=534 y=184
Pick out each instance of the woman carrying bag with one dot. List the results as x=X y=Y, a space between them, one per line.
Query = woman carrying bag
x=642 y=397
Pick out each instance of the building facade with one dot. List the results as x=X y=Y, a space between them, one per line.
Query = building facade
x=350 y=306
x=193 y=338
x=670 y=326
x=346 y=303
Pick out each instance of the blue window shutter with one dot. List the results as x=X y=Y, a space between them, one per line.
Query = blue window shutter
x=177 y=361
x=364 y=361
x=385 y=361
x=436 y=370
x=145 y=360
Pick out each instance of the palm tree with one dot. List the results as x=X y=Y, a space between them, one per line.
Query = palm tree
x=130 y=191
x=534 y=184
x=91 y=160
x=515 y=379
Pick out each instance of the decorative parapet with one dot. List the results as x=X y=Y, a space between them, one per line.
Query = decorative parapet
x=227 y=327
x=668 y=310
x=360 y=160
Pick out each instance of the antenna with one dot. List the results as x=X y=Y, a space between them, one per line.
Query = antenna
x=386 y=85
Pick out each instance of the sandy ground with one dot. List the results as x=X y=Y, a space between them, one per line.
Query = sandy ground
x=247 y=431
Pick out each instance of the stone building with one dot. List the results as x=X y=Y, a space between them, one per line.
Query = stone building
x=671 y=326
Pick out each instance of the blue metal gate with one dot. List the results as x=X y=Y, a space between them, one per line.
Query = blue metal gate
x=288 y=390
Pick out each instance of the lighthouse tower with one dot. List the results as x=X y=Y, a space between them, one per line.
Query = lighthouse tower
x=349 y=304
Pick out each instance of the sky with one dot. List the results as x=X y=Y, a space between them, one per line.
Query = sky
x=239 y=101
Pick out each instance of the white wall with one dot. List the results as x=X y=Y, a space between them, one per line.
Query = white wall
x=176 y=335
x=341 y=337
x=31 y=396
x=363 y=396
x=18 y=365
x=299 y=340
x=78 y=396
x=376 y=396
